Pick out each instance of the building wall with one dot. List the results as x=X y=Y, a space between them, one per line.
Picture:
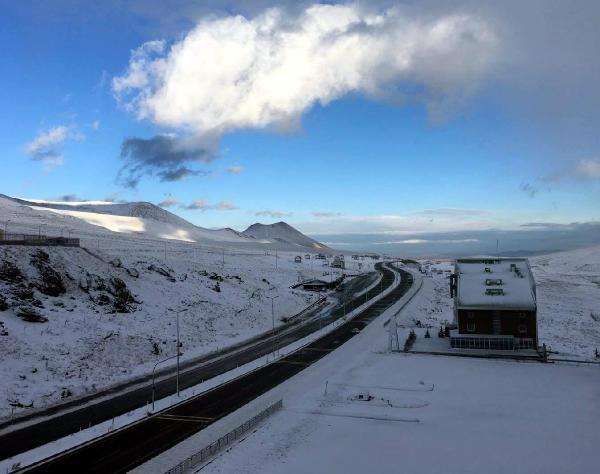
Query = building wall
x=511 y=322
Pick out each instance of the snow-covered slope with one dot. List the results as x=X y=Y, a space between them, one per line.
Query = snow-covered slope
x=127 y=218
x=568 y=297
x=281 y=232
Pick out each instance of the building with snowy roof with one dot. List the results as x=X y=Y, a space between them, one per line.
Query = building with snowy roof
x=495 y=304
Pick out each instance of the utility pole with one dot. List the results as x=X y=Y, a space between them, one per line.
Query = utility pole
x=165 y=251
x=276 y=258
x=272 y=298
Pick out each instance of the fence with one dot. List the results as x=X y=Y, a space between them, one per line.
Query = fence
x=212 y=449
x=36 y=239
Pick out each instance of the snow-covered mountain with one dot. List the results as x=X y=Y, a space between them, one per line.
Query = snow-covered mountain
x=89 y=219
x=141 y=218
x=281 y=232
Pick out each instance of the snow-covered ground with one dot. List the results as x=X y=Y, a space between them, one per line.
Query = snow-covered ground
x=85 y=345
x=568 y=296
x=424 y=414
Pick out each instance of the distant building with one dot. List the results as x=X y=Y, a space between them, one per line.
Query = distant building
x=307 y=256
x=298 y=259
x=315 y=285
x=338 y=262
x=495 y=304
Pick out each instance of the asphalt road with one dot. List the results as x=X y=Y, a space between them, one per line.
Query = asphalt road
x=71 y=417
x=134 y=445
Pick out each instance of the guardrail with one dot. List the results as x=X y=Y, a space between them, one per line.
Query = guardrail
x=213 y=448
x=209 y=451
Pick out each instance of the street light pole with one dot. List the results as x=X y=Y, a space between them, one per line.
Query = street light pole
x=178 y=344
x=272 y=298
x=153 y=377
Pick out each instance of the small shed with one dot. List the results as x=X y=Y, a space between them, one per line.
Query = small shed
x=298 y=259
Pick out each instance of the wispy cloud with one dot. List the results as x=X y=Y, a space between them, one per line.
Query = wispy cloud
x=427 y=241
x=68 y=198
x=235 y=169
x=273 y=214
x=202 y=205
x=112 y=197
x=529 y=189
x=453 y=212
x=589 y=169
x=169 y=202
x=47 y=146
x=320 y=214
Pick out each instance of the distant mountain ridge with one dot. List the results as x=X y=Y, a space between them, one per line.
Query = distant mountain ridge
x=282 y=232
x=149 y=219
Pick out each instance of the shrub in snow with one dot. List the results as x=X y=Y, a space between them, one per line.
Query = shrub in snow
x=132 y=272
x=163 y=272
x=23 y=293
x=123 y=297
x=50 y=283
x=3 y=304
x=29 y=314
x=10 y=273
x=217 y=288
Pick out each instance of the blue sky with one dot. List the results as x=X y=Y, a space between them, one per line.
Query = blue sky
x=506 y=149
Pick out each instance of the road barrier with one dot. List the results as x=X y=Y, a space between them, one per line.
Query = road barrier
x=209 y=451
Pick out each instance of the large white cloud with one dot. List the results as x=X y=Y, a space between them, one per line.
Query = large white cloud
x=234 y=72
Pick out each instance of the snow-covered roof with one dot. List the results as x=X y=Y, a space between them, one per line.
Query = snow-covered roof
x=492 y=282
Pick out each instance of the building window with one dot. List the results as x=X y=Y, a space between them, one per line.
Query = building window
x=522 y=329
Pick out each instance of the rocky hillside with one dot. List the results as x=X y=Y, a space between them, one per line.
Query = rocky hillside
x=73 y=320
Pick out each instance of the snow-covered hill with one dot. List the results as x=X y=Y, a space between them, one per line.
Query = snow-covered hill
x=281 y=232
x=126 y=218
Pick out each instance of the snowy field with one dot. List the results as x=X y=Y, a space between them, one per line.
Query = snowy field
x=87 y=343
x=568 y=291
x=424 y=414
